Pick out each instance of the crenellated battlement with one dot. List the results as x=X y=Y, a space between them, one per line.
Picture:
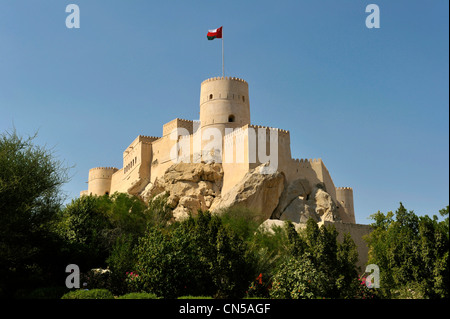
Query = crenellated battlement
x=104 y=168
x=269 y=128
x=344 y=188
x=178 y=123
x=225 y=78
x=101 y=172
x=305 y=160
x=235 y=132
x=148 y=137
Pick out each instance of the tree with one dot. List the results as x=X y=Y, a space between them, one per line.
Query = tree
x=30 y=197
x=199 y=256
x=318 y=264
x=412 y=254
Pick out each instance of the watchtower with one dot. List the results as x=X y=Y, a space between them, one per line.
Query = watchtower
x=224 y=103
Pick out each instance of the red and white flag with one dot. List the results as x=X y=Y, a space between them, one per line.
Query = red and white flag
x=213 y=34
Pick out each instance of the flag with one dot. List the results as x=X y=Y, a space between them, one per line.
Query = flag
x=213 y=34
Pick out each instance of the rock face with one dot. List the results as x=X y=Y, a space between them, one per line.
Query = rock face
x=190 y=187
x=194 y=186
x=256 y=191
x=300 y=201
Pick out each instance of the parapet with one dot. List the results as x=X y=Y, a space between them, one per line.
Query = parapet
x=307 y=163
x=269 y=128
x=305 y=160
x=178 y=123
x=225 y=78
x=147 y=139
x=344 y=188
x=102 y=172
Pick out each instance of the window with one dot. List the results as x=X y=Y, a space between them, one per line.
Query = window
x=210 y=96
x=231 y=118
x=243 y=99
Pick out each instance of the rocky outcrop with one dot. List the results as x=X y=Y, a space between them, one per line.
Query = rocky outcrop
x=194 y=186
x=257 y=191
x=189 y=186
x=300 y=201
x=270 y=225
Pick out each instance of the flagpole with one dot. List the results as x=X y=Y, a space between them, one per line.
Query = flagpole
x=223 y=65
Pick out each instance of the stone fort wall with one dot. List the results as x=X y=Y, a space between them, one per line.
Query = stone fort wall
x=224 y=104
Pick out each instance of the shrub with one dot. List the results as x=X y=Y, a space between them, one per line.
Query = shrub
x=97 y=279
x=48 y=293
x=119 y=262
x=298 y=278
x=138 y=295
x=260 y=287
x=198 y=257
x=413 y=252
x=89 y=294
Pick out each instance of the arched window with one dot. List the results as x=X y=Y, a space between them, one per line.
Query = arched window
x=210 y=96
x=243 y=99
x=231 y=118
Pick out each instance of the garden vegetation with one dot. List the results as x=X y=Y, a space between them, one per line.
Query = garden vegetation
x=128 y=249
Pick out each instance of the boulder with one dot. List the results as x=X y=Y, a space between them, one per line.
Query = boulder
x=317 y=205
x=189 y=186
x=299 y=211
x=269 y=225
x=256 y=191
x=299 y=187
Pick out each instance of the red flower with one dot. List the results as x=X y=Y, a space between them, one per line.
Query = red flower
x=259 y=279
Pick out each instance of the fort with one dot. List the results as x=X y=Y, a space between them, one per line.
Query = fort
x=226 y=135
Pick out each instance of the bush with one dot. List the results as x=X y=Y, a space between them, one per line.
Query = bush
x=138 y=295
x=89 y=294
x=97 y=279
x=200 y=256
x=413 y=253
x=48 y=293
x=298 y=278
x=119 y=262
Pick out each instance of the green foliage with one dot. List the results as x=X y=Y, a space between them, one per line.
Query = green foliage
x=97 y=227
x=412 y=253
x=120 y=261
x=85 y=226
x=160 y=214
x=198 y=257
x=89 y=294
x=43 y=293
x=242 y=220
x=298 y=278
x=330 y=258
x=138 y=295
x=30 y=196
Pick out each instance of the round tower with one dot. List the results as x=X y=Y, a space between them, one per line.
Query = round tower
x=224 y=103
x=344 y=196
x=100 y=180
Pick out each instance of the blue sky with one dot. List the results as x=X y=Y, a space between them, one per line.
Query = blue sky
x=372 y=103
